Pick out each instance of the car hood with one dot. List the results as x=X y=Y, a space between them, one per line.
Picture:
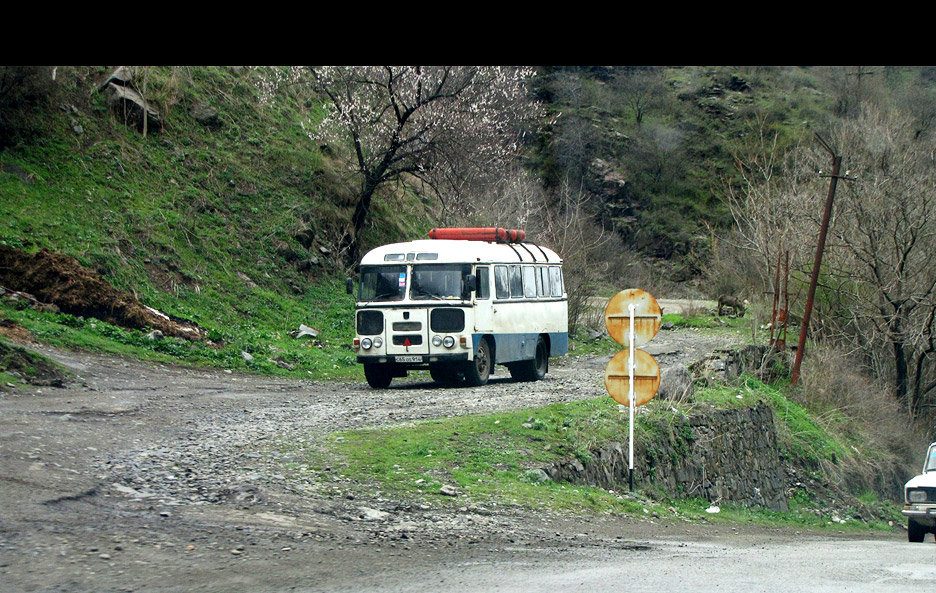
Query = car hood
x=923 y=481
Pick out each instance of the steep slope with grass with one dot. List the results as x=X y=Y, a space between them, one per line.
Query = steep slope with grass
x=227 y=221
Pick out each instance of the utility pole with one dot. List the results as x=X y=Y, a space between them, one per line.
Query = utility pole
x=814 y=280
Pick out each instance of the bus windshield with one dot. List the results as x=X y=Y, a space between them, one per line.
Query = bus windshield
x=439 y=281
x=382 y=283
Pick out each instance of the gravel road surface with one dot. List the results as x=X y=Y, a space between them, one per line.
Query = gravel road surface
x=150 y=477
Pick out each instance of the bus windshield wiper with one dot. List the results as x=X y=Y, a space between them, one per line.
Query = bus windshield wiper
x=378 y=297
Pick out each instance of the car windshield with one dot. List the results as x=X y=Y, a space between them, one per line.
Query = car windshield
x=930 y=460
x=382 y=283
x=439 y=281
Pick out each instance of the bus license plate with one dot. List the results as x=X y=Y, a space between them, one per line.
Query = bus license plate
x=409 y=358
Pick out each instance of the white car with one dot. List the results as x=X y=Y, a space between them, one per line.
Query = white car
x=920 y=500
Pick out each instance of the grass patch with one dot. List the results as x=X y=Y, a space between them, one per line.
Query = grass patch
x=801 y=514
x=704 y=320
x=19 y=366
x=491 y=459
x=583 y=345
x=805 y=435
x=496 y=460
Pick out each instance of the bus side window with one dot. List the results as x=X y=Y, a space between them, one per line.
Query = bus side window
x=529 y=282
x=542 y=281
x=516 y=283
x=555 y=281
x=501 y=289
x=484 y=285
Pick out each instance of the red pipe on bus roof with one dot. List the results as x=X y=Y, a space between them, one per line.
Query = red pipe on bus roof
x=497 y=234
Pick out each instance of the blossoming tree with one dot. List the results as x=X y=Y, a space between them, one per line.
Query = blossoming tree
x=439 y=124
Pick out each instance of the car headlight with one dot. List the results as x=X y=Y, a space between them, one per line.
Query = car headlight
x=916 y=495
x=378 y=342
x=436 y=341
x=448 y=342
x=366 y=343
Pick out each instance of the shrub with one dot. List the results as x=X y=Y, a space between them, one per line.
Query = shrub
x=835 y=386
x=22 y=90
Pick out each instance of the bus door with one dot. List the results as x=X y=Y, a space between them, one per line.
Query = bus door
x=483 y=309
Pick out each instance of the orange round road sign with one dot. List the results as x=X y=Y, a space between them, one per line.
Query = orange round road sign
x=647 y=317
x=646 y=377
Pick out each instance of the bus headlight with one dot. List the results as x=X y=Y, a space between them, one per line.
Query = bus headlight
x=366 y=343
x=378 y=342
x=448 y=342
x=436 y=341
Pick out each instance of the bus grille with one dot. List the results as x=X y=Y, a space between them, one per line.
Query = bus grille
x=370 y=323
x=447 y=320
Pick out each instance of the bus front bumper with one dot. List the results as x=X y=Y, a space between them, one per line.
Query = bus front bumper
x=412 y=359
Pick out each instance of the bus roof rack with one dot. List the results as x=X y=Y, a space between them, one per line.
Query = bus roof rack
x=495 y=234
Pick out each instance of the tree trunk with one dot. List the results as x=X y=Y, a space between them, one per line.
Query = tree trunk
x=351 y=243
x=902 y=375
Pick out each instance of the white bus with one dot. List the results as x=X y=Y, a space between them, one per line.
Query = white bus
x=458 y=306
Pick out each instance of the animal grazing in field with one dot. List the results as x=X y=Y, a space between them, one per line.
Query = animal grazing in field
x=731 y=302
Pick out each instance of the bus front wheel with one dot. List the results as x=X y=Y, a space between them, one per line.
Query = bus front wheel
x=444 y=373
x=378 y=375
x=478 y=371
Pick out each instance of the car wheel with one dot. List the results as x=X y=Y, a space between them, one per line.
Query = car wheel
x=378 y=375
x=915 y=531
x=478 y=371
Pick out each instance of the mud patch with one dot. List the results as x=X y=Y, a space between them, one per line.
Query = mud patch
x=60 y=280
x=15 y=332
x=31 y=368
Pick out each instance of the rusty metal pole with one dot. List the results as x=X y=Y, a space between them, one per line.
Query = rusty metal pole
x=823 y=229
x=786 y=302
x=776 y=298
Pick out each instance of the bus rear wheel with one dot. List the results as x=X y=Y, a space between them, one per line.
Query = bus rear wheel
x=532 y=370
x=478 y=371
x=378 y=375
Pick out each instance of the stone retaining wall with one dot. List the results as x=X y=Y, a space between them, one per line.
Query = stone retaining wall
x=722 y=455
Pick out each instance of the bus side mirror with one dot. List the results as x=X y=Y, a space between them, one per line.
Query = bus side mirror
x=349 y=286
x=471 y=283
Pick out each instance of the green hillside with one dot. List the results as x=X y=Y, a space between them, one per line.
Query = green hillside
x=230 y=225
x=228 y=213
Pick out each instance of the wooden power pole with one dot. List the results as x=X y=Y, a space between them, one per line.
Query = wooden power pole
x=814 y=280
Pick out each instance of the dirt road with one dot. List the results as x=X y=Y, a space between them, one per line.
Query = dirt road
x=143 y=477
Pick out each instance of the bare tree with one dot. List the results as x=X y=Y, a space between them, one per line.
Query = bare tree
x=575 y=137
x=879 y=271
x=562 y=219
x=568 y=226
x=772 y=201
x=884 y=248
x=642 y=89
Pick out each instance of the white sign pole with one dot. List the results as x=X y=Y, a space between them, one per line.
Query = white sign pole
x=631 y=401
